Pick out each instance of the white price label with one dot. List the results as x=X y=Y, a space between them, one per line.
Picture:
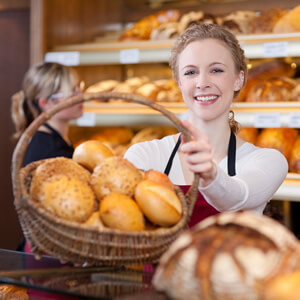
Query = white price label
x=87 y=119
x=65 y=58
x=294 y=121
x=267 y=120
x=130 y=56
x=276 y=49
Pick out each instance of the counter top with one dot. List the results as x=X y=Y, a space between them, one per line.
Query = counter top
x=48 y=278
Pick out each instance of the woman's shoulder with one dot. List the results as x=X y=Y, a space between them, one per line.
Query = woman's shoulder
x=249 y=151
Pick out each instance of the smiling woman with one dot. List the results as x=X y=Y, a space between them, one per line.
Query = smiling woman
x=210 y=69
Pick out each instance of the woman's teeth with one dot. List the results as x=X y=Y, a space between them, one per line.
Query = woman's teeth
x=206 y=98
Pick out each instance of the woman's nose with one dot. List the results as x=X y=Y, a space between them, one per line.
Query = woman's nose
x=202 y=81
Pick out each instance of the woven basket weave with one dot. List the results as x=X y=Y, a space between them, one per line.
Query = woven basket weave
x=67 y=240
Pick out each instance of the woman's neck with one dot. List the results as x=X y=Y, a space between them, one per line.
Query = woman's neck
x=61 y=127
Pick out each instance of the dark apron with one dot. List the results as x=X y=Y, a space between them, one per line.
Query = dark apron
x=202 y=209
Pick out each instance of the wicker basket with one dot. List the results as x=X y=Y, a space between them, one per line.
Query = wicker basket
x=74 y=242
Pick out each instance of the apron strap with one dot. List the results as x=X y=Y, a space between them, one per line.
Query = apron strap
x=170 y=161
x=231 y=155
x=230 y=160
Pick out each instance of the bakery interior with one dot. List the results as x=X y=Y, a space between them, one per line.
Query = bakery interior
x=96 y=38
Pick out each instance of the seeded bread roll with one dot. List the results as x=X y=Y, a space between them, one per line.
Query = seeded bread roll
x=55 y=166
x=68 y=198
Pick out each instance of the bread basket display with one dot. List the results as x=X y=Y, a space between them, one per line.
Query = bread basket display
x=67 y=240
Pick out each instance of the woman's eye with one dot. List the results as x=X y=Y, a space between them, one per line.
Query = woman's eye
x=217 y=71
x=190 y=72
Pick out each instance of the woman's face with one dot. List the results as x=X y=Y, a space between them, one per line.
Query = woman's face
x=207 y=78
x=72 y=112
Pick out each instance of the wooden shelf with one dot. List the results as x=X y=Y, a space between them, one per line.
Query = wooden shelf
x=260 y=114
x=95 y=53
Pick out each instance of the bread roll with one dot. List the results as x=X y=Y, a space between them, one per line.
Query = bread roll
x=114 y=135
x=249 y=134
x=68 y=198
x=55 y=166
x=148 y=90
x=159 y=203
x=147 y=134
x=159 y=178
x=115 y=174
x=94 y=220
x=12 y=292
x=281 y=139
x=294 y=161
x=165 y=31
x=261 y=72
x=272 y=90
x=283 y=287
x=288 y=22
x=142 y=29
x=91 y=153
x=266 y=21
x=103 y=86
x=119 y=211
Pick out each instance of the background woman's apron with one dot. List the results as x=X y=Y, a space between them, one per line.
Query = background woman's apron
x=202 y=209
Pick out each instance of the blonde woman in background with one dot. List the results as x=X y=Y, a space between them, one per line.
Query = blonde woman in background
x=45 y=85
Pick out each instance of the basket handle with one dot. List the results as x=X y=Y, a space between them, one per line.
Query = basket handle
x=20 y=149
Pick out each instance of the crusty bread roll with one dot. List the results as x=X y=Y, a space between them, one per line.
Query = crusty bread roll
x=249 y=134
x=166 y=31
x=283 y=287
x=159 y=203
x=288 y=22
x=294 y=161
x=114 y=135
x=94 y=220
x=142 y=29
x=159 y=177
x=119 y=211
x=148 y=90
x=91 y=153
x=272 y=90
x=238 y=21
x=281 y=139
x=148 y=134
x=115 y=174
x=54 y=166
x=264 y=71
x=12 y=292
x=68 y=198
x=266 y=21
x=103 y=86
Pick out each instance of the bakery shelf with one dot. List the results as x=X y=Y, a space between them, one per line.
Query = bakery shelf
x=289 y=190
x=260 y=114
x=255 y=46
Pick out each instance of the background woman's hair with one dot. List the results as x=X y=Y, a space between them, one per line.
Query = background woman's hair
x=198 y=32
x=40 y=81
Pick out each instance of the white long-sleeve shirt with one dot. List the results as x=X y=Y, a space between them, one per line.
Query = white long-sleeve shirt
x=259 y=173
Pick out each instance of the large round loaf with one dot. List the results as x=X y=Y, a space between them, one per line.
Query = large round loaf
x=228 y=256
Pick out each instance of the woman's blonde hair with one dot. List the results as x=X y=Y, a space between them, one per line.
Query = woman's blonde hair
x=198 y=32
x=40 y=81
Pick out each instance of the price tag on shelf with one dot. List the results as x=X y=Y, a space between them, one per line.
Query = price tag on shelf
x=267 y=120
x=129 y=56
x=70 y=58
x=87 y=119
x=294 y=120
x=276 y=49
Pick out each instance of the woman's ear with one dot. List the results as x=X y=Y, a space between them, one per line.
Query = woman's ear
x=43 y=103
x=239 y=82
